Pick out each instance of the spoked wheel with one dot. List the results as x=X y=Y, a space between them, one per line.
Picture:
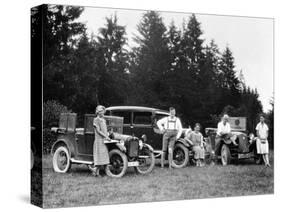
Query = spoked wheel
x=146 y=161
x=61 y=160
x=180 y=156
x=118 y=164
x=225 y=155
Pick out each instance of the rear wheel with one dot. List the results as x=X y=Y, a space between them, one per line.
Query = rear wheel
x=146 y=161
x=61 y=160
x=180 y=156
x=225 y=155
x=118 y=163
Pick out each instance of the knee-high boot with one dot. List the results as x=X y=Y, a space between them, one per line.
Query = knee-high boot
x=170 y=157
x=163 y=155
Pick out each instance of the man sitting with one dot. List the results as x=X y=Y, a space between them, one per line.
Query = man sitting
x=223 y=132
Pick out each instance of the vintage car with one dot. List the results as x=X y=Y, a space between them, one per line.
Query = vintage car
x=75 y=146
x=141 y=121
x=238 y=146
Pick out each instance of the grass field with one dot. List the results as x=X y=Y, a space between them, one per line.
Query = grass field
x=79 y=187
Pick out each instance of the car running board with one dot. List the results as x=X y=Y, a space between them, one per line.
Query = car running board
x=81 y=161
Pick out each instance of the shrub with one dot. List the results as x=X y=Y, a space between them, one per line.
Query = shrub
x=51 y=113
x=48 y=140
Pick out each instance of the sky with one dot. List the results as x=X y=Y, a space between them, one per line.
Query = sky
x=250 y=39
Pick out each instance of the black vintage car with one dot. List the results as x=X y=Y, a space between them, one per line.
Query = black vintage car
x=236 y=147
x=75 y=145
x=139 y=121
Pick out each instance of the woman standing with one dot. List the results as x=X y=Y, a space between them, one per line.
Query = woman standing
x=262 y=143
x=101 y=156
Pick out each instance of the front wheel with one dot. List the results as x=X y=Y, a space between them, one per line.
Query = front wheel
x=118 y=164
x=61 y=160
x=146 y=161
x=180 y=156
x=225 y=155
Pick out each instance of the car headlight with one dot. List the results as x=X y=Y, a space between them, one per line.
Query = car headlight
x=122 y=142
x=140 y=144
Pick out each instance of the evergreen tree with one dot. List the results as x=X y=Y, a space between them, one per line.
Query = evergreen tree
x=113 y=63
x=208 y=81
x=229 y=82
x=151 y=61
x=60 y=33
x=190 y=64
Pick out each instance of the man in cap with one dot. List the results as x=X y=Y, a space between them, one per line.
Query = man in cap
x=171 y=128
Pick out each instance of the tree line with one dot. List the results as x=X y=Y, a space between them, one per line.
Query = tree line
x=168 y=66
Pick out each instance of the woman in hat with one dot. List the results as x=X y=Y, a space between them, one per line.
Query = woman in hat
x=101 y=156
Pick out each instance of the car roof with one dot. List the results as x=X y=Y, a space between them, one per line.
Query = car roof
x=138 y=108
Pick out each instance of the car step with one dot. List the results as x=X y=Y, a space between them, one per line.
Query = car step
x=81 y=161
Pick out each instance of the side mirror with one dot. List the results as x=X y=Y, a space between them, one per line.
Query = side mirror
x=144 y=138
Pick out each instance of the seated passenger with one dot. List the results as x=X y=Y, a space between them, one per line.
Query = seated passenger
x=224 y=128
x=197 y=139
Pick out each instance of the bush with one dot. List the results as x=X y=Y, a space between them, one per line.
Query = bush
x=52 y=110
x=51 y=114
x=48 y=140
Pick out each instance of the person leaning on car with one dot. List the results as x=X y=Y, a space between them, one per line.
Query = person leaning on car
x=171 y=128
x=223 y=132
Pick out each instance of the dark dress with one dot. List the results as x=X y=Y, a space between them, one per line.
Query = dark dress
x=101 y=156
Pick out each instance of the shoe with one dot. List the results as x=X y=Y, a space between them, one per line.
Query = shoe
x=95 y=172
x=268 y=165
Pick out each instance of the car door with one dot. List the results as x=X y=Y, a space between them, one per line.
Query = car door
x=142 y=124
x=157 y=136
x=85 y=141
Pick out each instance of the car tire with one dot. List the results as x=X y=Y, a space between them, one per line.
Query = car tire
x=61 y=160
x=180 y=156
x=143 y=170
x=117 y=159
x=225 y=155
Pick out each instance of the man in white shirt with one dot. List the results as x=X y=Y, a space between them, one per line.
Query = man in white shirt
x=223 y=126
x=171 y=128
x=223 y=131
x=262 y=143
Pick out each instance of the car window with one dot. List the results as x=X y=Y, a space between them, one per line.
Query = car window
x=125 y=114
x=107 y=112
x=142 y=118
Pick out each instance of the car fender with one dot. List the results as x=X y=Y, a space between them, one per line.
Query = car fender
x=121 y=147
x=65 y=142
x=184 y=142
x=149 y=147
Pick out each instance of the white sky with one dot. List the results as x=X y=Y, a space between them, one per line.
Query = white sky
x=250 y=39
